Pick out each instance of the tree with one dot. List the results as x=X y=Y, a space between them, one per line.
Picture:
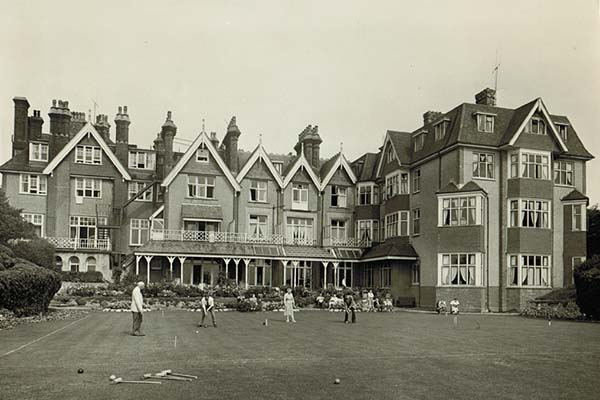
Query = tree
x=593 y=231
x=587 y=284
x=12 y=225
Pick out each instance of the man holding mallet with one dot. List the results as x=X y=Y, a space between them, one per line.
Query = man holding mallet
x=137 y=308
x=208 y=306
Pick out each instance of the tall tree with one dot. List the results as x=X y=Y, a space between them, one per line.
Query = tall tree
x=12 y=225
x=593 y=231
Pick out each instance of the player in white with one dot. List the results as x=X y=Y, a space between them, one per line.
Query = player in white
x=454 y=306
x=208 y=306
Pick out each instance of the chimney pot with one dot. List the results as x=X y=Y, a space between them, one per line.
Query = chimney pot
x=124 y=109
x=486 y=97
x=120 y=110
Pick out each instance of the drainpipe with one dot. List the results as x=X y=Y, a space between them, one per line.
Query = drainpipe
x=487 y=253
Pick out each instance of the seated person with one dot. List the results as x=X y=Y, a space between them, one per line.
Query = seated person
x=440 y=306
x=376 y=304
x=333 y=301
x=320 y=300
x=388 y=305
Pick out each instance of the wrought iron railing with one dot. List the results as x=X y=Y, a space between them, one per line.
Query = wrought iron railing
x=79 y=244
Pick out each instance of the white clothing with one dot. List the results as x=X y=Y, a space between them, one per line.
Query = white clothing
x=137 y=300
x=207 y=305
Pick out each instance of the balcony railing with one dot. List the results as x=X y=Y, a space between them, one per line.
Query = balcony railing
x=80 y=244
x=233 y=237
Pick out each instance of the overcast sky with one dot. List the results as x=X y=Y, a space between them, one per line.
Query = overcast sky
x=355 y=68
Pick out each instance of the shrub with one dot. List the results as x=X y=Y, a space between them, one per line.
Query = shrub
x=7 y=258
x=80 y=301
x=38 y=251
x=587 y=284
x=87 y=276
x=27 y=289
x=82 y=291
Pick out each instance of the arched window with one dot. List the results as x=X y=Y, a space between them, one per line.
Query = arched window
x=91 y=264
x=74 y=264
x=58 y=263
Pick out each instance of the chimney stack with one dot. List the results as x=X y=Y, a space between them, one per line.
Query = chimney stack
x=102 y=126
x=20 y=134
x=168 y=132
x=231 y=145
x=160 y=156
x=35 y=125
x=122 y=123
x=77 y=122
x=310 y=141
x=486 y=97
x=60 y=125
x=214 y=140
x=431 y=116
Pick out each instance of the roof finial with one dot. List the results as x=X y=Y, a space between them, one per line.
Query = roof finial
x=341 y=147
x=260 y=139
x=203 y=125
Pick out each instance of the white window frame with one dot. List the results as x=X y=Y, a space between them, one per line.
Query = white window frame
x=38 y=151
x=368 y=226
x=200 y=186
x=392 y=225
x=481 y=162
x=27 y=186
x=521 y=161
x=563 y=173
x=452 y=202
x=404 y=182
x=278 y=165
x=467 y=262
x=258 y=226
x=366 y=194
x=88 y=188
x=134 y=187
x=416 y=274
x=35 y=219
x=545 y=265
x=536 y=122
x=340 y=193
x=141 y=160
x=439 y=130
x=419 y=141
x=392 y=185
x=202 y=154
x=416 y=221
x=260 y=191
x=300 y=192
x=267 y=272
x=485 y=122
x=76 y=222
x=563 y=130
x=582 y=215
x=517 y=214
x=390 y=154
x=140 y=225
x=85 y=154
x=338 y=230
x=300 y=230
x=416 y=181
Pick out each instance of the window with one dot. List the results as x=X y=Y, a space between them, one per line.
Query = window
x=485 y=123
x=258 y=191
x=391 y=225
x=58 y=263
x=199 y=225
x=459 y=269
x=201 y=187
x=299 y=274
x=344 y=271
x=263 y=272
x=138 y=231
x=404 y=189
x=529 y=214
x=391 y=186
x=141 y=160
x=300 y=197
x=562 y=130
x=391 y=154
x=88 y=187
x=416 y=221
x=202 y=153
x=386 y=276
x=416 y=274
x=74 y=264
x=278 y=167
x=419 y=141
x=90 y=264
x=459 y=211
x=83 y=227
x=404 y=215
x=137 y=187
x=534 y=166
x=416 y=180
x=483 y=165
x=258 y=226
x=563 y=173
x=338 y=196
x=33 y=184
x=529 y=270
x=368 y=194
x=369 y=277
x=368 y=230
x=300 y=231
x=37 y=220
x=439 y=131
x=536 y=126
x=338 y=231
x=38 y=151
x=577 y=220
x=88 y=155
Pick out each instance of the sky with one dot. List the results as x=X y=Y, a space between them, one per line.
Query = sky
x=355 y=68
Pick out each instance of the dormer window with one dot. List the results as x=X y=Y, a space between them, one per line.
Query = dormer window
x=419 y=141
x=439 y=131
x=278 y=167
x=202 y=153
x=485 y=122
x=562 y=130
x=391 y=155
x=88 y=155
x=38 y=152
x=536 y=126
x=141 y=160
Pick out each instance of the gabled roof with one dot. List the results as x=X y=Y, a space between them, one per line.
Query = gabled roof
x=575 y=195
x=365 y=167
x=329 y=168
x=538 y=105
x=400 y=142
x=259 y=154
x=88 y=129
x=301 y=162
x=201 y=138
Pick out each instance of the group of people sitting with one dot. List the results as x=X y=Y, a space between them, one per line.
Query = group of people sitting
x=369 y=302
x=442 y=308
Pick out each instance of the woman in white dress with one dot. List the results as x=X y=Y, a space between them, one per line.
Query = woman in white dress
x=288 y=303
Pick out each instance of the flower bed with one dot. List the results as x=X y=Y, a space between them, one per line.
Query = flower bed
x=8 y=320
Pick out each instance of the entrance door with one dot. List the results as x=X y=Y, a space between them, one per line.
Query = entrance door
x=197 y=274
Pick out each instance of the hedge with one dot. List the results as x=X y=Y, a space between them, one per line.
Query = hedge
x=38 y=251
x=28 y=289
x=587 y=283
x=87 y=276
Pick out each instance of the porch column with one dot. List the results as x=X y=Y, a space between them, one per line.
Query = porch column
x=246 y=263
x=137 y=264
x=181 y=261
x=148 y=259
x=192 y=272
x=226 y=261
x=171 y=259
x=324 y=273
x=335 y=273
x=237 y=262
x=294 y=272
x=351 y=274
x=284 y=263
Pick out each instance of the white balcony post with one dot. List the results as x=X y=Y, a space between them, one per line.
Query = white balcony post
x=294 y=272
x=236 y=261
x=171 y=259
x=148 y=259
x=226 y=261
x=246 y=263
x=324 y=273
x=335 y=274
x=137 y=264
x=181 y=261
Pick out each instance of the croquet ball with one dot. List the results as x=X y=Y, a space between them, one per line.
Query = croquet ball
x=197 y=331
x=80 y=371
x=112 y=377
x=337 y=381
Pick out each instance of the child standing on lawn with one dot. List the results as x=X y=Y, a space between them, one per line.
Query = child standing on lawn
x=288 y=303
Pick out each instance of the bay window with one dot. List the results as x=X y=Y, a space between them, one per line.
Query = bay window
x=529 y=270
x=368 y=230
x=529 y=165
x=460 y=211
x=528 y=213
x=391 y=225
x=299 y=230
x=460 y=269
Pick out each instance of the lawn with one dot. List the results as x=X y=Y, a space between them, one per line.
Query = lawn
x=384 y=356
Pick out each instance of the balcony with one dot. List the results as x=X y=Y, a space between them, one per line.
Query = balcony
x=80 y=244
x=347 y=242
x=232 y=237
